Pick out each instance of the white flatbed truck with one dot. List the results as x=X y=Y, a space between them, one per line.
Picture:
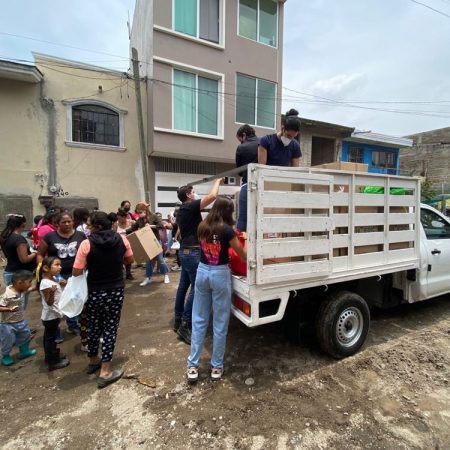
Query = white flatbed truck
x=321 y=251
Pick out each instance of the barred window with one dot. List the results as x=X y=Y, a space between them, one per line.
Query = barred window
x=356 y=154
x=95 y=124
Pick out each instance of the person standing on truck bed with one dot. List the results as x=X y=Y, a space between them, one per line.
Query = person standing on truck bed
x=282 y=149
x=246 y=153
x=188 y=219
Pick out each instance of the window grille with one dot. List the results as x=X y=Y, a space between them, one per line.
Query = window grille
x=172 y=165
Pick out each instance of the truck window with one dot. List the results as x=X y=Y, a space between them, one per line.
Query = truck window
x=435 y=226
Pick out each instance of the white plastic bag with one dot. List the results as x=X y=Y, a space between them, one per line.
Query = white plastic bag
x=74 y=296
x=175 y=245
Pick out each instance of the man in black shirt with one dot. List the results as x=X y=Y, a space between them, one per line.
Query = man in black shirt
x=246 y=153
x=188 y=219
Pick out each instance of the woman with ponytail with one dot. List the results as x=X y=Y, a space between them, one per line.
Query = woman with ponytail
x=15 y=247
x=104 y=253
x=282 y=148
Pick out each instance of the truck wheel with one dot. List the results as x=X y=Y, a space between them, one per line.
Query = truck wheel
x=342 y=324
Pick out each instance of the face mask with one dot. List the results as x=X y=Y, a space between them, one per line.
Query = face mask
x=286 y=141
x=127 y=209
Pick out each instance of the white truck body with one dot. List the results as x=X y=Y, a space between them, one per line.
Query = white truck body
x=312 y=228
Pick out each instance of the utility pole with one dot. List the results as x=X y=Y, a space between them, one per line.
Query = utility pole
x=144 y=157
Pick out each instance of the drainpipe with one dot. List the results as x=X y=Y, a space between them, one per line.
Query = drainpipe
x=48 y=106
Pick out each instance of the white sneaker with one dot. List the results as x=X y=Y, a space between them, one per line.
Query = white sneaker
x=145 y=282
x=166 y=279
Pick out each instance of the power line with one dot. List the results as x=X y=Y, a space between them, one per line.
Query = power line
x=432 y=9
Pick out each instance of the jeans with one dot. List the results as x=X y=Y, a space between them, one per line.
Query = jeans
x=169 y=240
x=242 y=219
x=162 y=265
x=50 y=334
x=189 y=258
x=15 y=333
x=212 y=291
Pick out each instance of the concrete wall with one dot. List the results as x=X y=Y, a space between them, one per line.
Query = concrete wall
x=429 y=157
x=34 y=120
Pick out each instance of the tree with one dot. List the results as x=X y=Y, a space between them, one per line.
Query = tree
x=426 y=189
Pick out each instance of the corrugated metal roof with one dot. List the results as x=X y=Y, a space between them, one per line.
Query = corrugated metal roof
x=384 y=140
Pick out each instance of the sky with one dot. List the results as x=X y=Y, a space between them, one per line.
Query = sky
x=350 y=62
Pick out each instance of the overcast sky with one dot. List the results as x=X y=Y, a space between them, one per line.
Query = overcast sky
x=347 y=51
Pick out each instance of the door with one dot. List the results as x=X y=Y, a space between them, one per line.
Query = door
x=437 y=232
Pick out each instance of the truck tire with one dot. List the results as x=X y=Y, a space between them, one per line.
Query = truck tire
x=342 y=324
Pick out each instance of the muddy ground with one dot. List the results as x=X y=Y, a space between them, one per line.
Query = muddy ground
x=394 y=394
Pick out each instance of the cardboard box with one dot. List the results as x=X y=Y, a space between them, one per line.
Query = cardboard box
x=344 y=165
x=144 y=244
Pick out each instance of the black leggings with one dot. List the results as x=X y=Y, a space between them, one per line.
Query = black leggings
x=50 y=334
x=103 y=317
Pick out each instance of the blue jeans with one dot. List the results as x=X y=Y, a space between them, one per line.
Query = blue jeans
x=212 y=291
x=242 y=219
x=190 y=258
x=17 y=333
x=162 y=265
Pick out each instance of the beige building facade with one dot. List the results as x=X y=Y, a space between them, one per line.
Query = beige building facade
x=211 y=66
x=68 y=137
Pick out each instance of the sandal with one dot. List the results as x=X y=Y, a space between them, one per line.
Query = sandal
x=192 y=374
x=92 y=368
x=103 y=382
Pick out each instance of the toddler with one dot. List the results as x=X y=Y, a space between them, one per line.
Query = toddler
x=14 y=329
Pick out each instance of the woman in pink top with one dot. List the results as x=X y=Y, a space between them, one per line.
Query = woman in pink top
x=48 y=224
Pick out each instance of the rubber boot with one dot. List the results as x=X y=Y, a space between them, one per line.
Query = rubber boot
x=25 y=352
x=7 y=360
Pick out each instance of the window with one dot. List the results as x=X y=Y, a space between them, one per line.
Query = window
x=195 y=103
x=255 y=101
x=383 y=160
x=258 y=21
x=356 y=154
x=95 y=124
x=435 y=226
x=197 y=18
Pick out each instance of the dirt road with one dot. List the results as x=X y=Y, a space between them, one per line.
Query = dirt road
x=394 y=394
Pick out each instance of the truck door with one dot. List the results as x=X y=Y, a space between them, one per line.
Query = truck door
x=437 y=232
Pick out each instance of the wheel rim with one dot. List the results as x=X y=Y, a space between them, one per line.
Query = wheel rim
x=349 y=326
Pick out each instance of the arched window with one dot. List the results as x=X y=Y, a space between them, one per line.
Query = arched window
x=95 y=124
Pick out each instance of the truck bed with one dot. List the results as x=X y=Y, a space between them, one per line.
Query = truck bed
x=315 y=227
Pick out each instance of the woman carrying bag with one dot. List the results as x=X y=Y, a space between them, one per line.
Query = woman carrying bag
x=104 y=253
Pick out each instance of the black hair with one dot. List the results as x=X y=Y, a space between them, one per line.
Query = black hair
x=183 y=192
x=112 y=216
x=80 y=216
x=291 y=121
x=37 y=219
x=14 y=221
x=245 y=129
x=47 y=261
x=221 y=214
x=59 y=217
x=122 y=204
x=50 y=216
x=101 y=221
x=122 y=213
x=21 y=275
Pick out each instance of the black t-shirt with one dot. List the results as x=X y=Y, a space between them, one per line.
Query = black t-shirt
x=247 y=153
x=277 y=153
x=64 y=248
x=10 y=250
x=188 y=220
x=215 y=253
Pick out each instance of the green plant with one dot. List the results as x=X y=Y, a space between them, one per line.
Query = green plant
x=426 y=190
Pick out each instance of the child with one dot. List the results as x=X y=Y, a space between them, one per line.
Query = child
x=213 y=286
x=14 y=329
x=50 y=291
